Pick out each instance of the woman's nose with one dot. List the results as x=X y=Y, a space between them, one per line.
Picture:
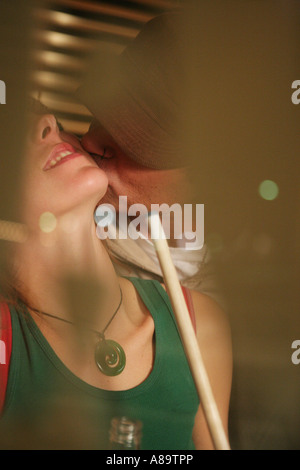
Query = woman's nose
x=46 y=129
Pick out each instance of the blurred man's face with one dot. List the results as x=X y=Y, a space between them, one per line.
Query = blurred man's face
x=141 y=185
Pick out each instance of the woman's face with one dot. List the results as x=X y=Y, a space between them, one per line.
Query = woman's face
x=59 y=175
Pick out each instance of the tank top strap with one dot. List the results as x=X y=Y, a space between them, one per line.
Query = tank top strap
x=158 y=303
x=152 y=294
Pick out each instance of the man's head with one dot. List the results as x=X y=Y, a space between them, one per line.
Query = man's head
x=127 y=177
x=136 y=100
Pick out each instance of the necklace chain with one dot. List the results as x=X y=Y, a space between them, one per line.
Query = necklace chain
x=100 y=333
x=110 y=357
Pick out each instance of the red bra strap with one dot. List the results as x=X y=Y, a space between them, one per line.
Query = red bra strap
x=5 y=349
x=190 y=305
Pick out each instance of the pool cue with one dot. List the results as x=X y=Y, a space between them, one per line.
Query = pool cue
x=187 y=334
x=13 y=231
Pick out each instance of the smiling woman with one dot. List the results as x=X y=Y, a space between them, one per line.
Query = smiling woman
x=87 y=345
x=59 y=156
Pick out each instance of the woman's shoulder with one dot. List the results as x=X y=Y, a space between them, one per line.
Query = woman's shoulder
x=208 y=312
x=211 y=319
x=212 y=325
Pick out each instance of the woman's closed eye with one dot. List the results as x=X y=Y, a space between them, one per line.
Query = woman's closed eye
x=106 y=153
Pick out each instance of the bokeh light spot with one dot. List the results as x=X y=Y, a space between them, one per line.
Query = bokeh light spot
x=268 y=190
x=47 y=222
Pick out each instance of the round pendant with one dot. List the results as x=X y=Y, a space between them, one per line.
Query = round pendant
x=110 y=357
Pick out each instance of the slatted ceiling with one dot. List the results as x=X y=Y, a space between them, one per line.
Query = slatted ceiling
x=51 y=80
x=140 y=10
x=53 y=40
x=77 y=127
x=72 y=115
x=61 y=103
x=58 y=61
x=83 y=25
x=160 y=4
x=105 y=9
x=66 y=32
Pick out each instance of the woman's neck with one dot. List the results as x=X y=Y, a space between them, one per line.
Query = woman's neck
x=68 y=272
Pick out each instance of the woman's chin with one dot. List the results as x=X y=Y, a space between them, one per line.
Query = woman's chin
x=90 y=184
x=69 y=192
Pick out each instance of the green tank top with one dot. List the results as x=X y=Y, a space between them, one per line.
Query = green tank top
x=50 y=407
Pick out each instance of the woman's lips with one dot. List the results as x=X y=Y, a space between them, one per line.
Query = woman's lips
x=61 y=154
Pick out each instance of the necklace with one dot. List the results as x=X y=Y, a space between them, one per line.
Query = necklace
x=109 y=355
